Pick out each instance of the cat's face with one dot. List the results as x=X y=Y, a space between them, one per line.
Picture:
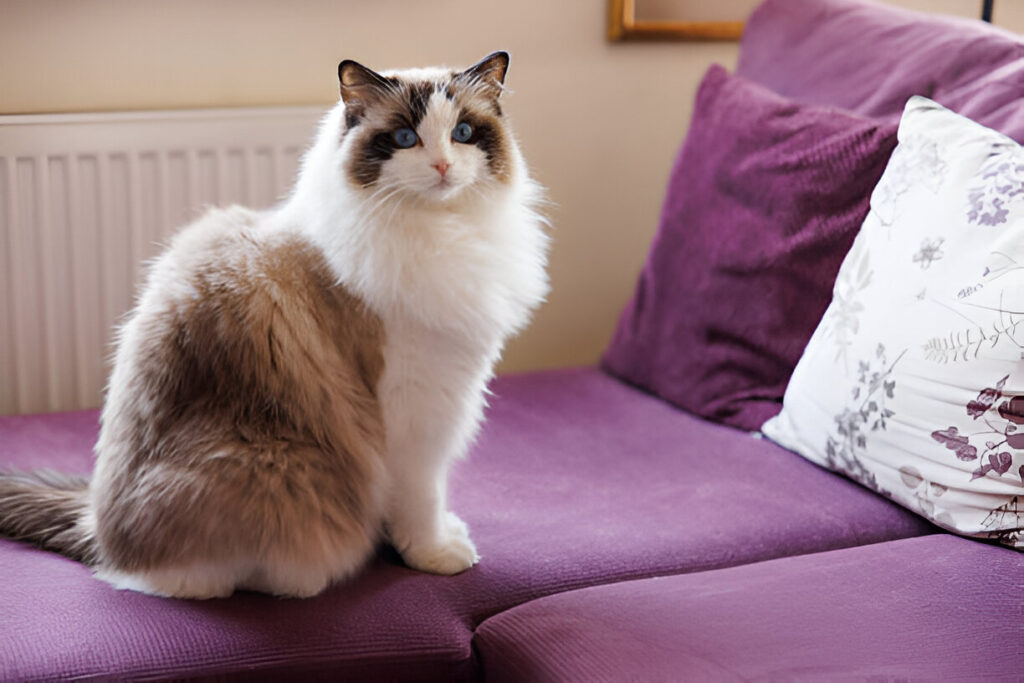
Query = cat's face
x=434 y=133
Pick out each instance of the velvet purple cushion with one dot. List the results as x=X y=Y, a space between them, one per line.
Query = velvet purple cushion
x=888 y=54
x=763 y=203
x=577 y=480
x=922 y=609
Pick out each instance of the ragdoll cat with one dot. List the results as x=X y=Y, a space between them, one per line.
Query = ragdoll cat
x=294 y=384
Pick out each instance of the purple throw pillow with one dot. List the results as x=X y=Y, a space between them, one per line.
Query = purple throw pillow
x=763 y=203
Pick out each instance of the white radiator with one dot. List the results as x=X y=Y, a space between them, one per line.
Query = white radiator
x=85 y=199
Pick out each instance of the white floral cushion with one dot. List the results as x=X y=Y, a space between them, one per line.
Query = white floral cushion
x=913 y=382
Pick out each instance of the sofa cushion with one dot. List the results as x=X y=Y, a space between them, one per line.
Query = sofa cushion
x=889 y=54
x=763 y=203
x=930 y=608
x=994 y=99
x=913 y=384
x=577 y=480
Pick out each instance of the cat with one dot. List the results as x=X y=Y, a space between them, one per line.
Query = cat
x=293 y=385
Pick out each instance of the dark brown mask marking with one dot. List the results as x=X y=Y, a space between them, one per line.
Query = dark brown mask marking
x=405 y=102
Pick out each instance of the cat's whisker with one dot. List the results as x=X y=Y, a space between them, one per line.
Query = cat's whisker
x=374 y=197
x=394 y=211
x=368 y=212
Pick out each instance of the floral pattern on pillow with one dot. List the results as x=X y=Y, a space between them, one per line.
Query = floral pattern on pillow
x=913 y=383
x=997 y=443
x=842 y=319
x=868 y=413
x=1001 y=182
x=916 y=162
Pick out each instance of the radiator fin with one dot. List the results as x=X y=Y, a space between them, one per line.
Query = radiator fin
x=86 y=199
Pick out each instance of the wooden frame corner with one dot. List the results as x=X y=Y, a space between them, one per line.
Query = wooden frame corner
x=623 y=26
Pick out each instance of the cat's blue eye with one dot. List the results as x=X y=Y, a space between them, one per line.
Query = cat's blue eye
x=404 y=137
x=462 y=132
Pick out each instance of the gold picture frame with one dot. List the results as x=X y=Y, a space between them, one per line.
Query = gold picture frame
x=623 y=26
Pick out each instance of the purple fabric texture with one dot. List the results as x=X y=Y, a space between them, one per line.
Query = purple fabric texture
x=737 y=557
x=763 y=203
x=931 y=608
x=888 y=54
x=577 y=480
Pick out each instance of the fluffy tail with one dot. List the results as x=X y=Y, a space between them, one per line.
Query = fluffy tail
x=47 y=509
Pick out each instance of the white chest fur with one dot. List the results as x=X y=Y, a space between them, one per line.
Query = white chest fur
x=451 y=276
x=450 y=287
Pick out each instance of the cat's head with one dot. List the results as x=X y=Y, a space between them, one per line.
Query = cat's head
x=434 y=133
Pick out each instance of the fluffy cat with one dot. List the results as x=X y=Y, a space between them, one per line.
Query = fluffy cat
x=294 y=384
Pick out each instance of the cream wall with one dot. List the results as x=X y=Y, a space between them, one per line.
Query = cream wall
x=599 y=123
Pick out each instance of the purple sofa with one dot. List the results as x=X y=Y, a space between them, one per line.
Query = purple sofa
x=622 y=537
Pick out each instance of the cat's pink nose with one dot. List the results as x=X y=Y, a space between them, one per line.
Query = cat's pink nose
x=442 y=167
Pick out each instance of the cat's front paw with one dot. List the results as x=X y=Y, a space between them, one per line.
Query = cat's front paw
x=451 y=551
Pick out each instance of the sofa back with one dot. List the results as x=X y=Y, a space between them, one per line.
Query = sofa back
x=870 y=58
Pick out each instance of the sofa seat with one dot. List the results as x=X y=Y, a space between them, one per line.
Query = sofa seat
x=924 y=608
x=576 y=480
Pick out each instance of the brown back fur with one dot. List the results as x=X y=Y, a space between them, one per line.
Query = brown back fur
x=248 y=425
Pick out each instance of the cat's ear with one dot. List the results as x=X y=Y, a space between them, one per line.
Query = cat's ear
x=489 y=72
x=360 y=84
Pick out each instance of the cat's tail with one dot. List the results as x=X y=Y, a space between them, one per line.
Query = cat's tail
x=48 y=509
